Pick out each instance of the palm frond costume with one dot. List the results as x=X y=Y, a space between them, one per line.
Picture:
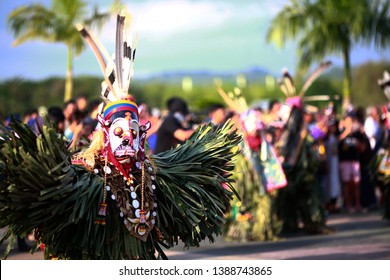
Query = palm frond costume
x=380 y=165
x=301 y=199
x=258 y=175
x=113 y=200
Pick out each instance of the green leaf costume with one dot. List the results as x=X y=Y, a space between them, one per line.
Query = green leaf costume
x=42 y=191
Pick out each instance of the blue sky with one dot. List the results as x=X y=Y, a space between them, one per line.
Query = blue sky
x=173 y=35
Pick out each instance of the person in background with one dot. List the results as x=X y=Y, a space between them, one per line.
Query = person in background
x=29 y=115
x=273 y=111
x=82 y=105
x=56 y=115
x=90 y=121
x=373 y=128
x=74 y=127
x=36 y=120
x=350 y=147
x=70 y=108
x=145 y=116
x=273 y=121
x=333 y=182
x=315 y=122
x=217 y=114
x=8 y=119
x=174 y=129
x=81 y=130
x=316 y=125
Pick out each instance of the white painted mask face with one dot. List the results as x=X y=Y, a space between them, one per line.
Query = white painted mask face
x=124 y=139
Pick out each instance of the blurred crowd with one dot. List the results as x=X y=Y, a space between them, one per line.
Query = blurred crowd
x=347 y=145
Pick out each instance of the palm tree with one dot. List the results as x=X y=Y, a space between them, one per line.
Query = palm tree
x=324 y=27
x=55 y=24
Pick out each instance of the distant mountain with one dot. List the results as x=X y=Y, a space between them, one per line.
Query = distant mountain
x=206 y=76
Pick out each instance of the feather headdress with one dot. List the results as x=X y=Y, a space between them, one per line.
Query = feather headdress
x=117 y=73
x=287 y=84
x=234 y=100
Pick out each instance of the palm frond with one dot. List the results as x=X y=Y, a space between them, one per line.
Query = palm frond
x=41 y=191
x=195 y=185
x=31 y=22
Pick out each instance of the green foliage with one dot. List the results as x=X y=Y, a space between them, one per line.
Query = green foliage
x=41 y=191
x=18 y=95
x=300 y=200
x=252 y=217
x=326 y=87
x=365 y=89
x=197 y=177
x=325 y=27
x=55 y=24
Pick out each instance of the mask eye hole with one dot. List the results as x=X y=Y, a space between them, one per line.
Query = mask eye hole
x=118 y=131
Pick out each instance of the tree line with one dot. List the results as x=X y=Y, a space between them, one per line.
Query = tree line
x=20 y=95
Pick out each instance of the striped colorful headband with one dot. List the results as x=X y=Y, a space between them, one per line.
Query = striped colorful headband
x=119 y=106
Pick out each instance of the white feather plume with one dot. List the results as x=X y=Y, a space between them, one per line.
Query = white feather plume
x=119 y=71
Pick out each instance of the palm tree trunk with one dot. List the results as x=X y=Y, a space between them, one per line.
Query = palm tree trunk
x=347 y=99
x=69 y=75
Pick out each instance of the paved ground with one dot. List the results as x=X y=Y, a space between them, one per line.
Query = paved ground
x=363 y=236
x=357 y=237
